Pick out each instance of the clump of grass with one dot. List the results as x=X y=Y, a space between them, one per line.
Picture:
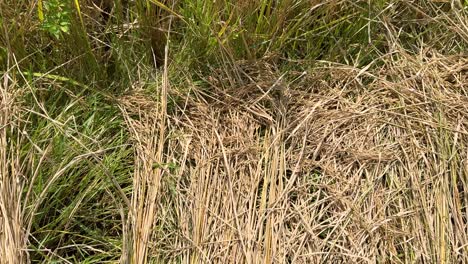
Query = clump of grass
x=74 y=163
x=345 y=168
x=233 y=131
x=12 y=237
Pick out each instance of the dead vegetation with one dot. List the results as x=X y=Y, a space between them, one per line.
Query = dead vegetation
x=233 y=132
x=337 y=165
x=12 y=234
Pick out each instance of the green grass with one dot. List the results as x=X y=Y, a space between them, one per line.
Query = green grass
x=85 y=90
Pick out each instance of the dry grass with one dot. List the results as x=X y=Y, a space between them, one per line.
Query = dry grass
x=147 y=123
x=336 y=165
x=274 y=132
x=12 y=237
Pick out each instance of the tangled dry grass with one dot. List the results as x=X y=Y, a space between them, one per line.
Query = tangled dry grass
x=297 y=131
x=338 y=165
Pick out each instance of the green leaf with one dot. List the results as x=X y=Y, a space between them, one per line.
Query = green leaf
x=64 y=29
